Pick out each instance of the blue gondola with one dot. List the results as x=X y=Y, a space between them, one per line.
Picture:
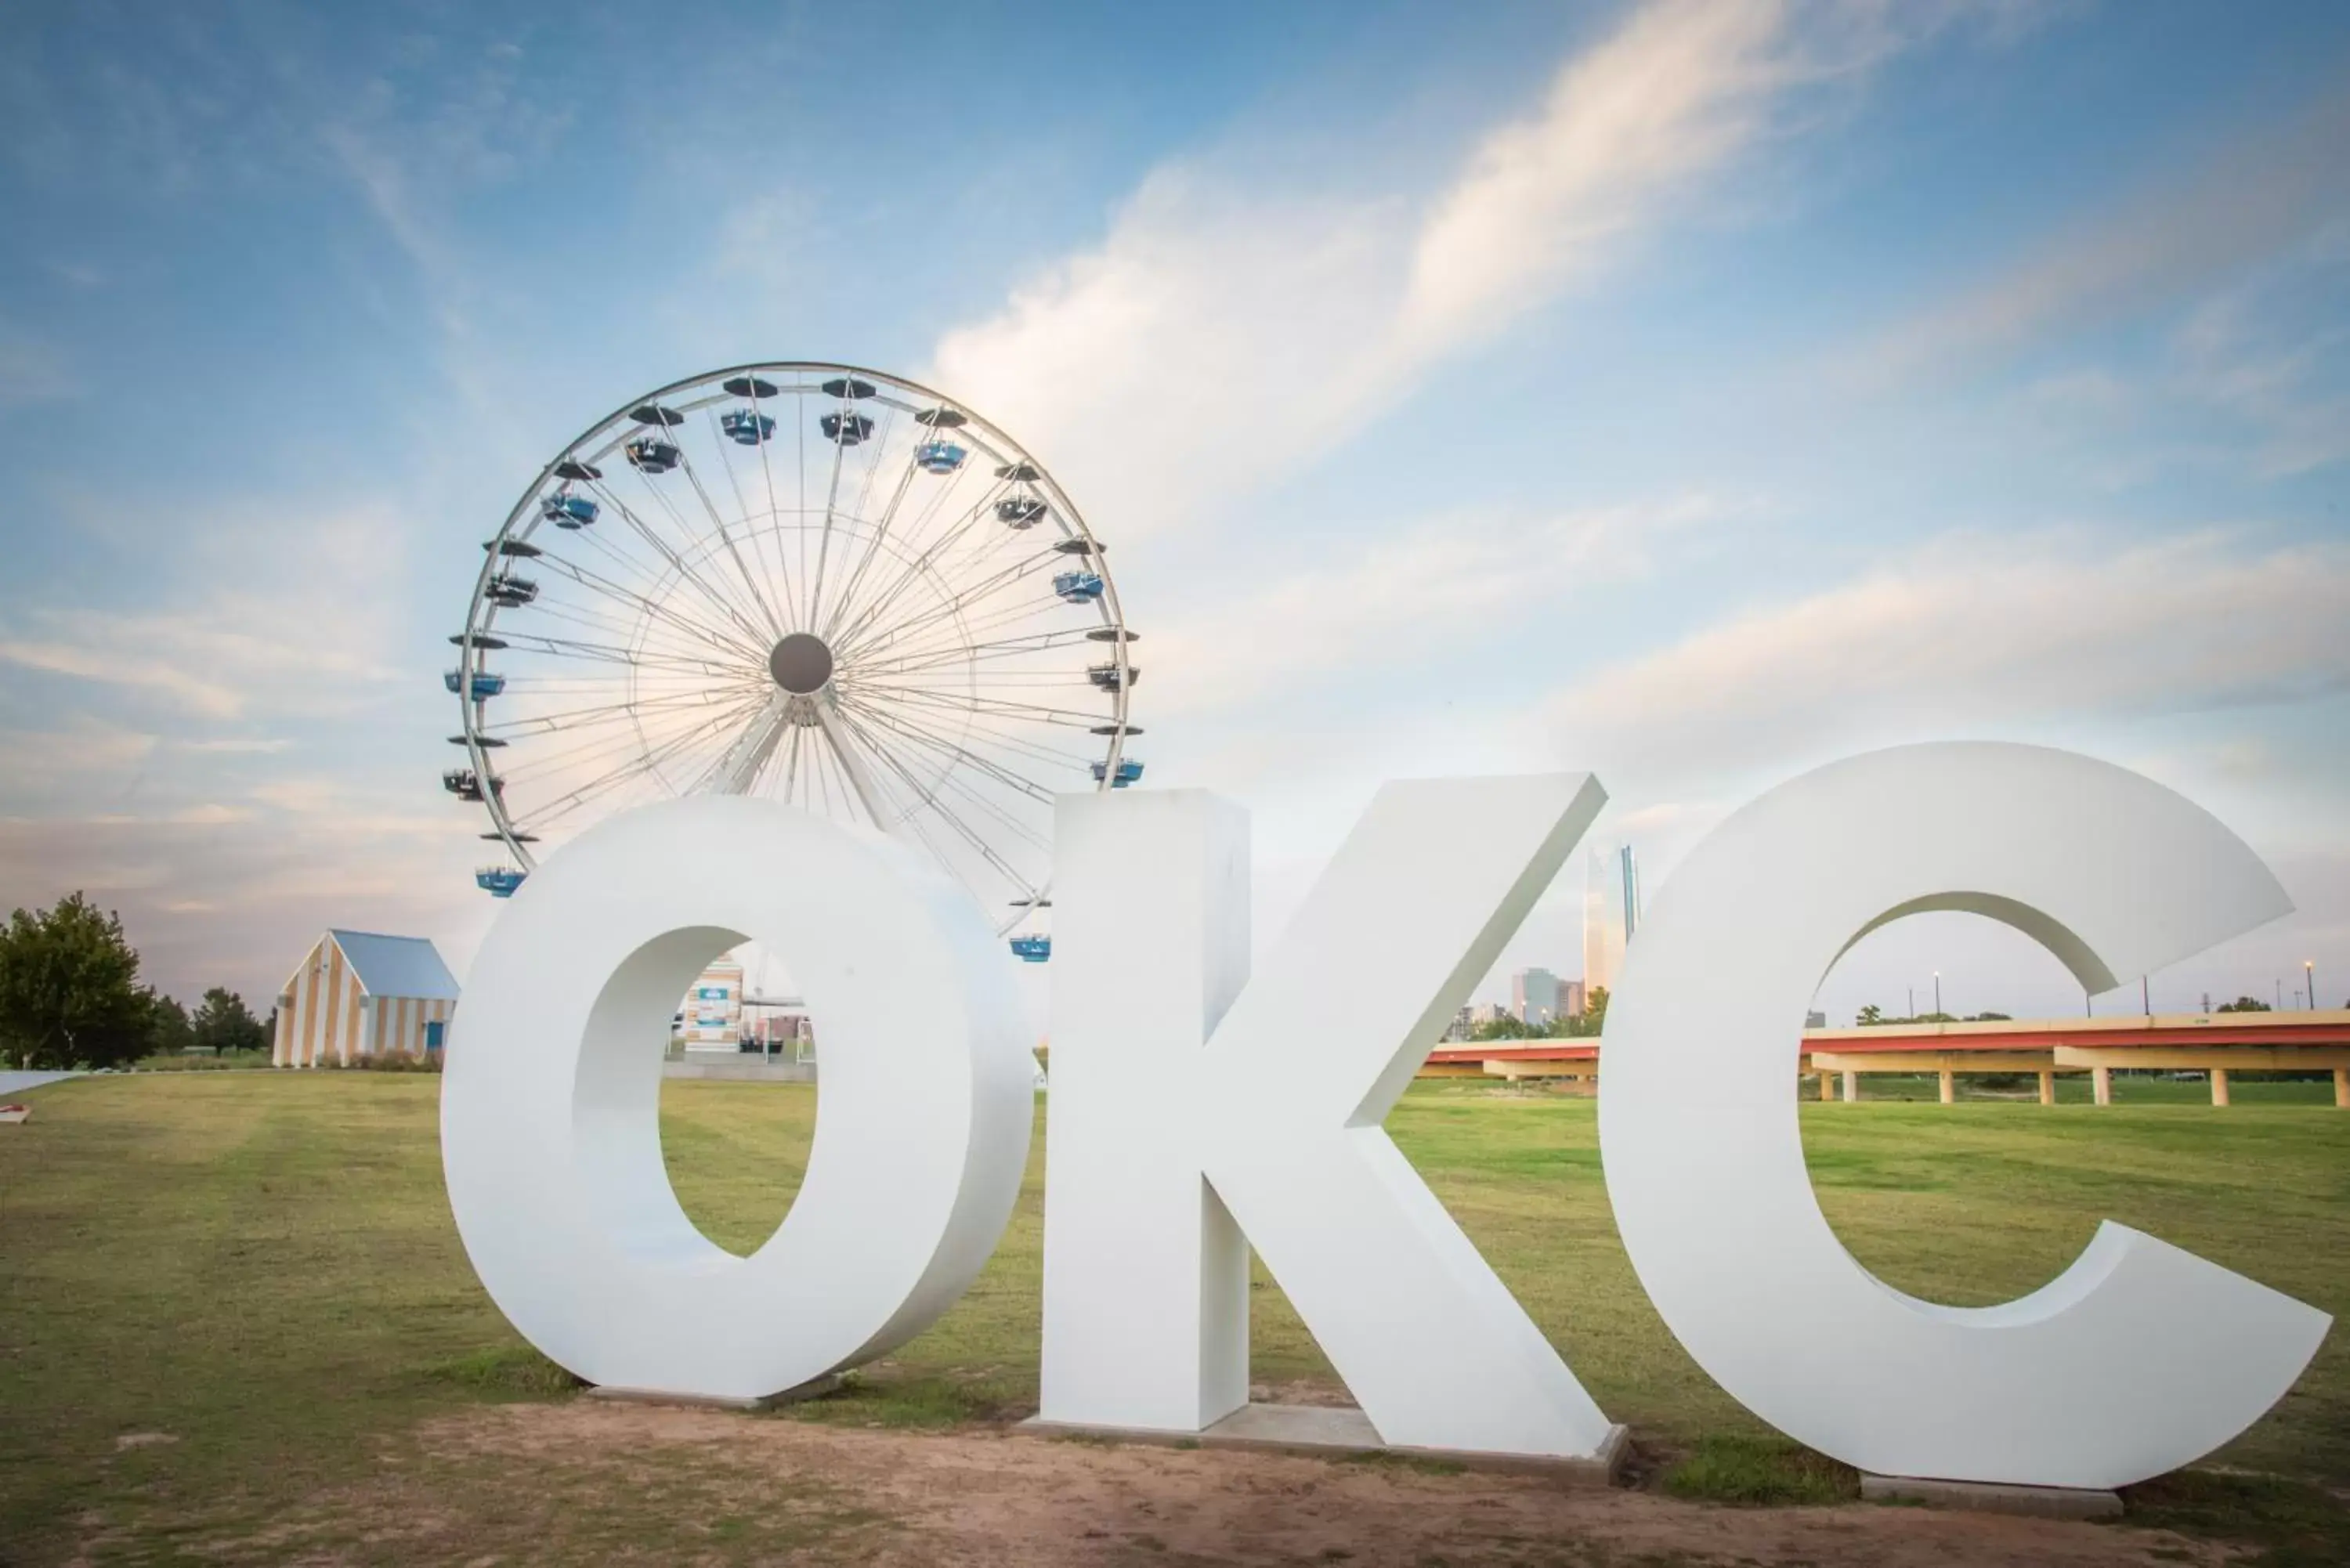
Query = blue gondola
x=746 y=427
x=1077 y=587
x=1032 y=950
x=1128 y=770
x=939 y=457
x=569 y=511
x=649 y=456
x=1111 y=678
x=498 y=881
x=512 y=592
x=846 y=430
x=1020 y=511
x=485 y=685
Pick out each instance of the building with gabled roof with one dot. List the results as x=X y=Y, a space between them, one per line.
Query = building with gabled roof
x=357 y=993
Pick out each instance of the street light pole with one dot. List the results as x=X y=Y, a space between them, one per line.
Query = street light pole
x=2309 y=979
x=1938 y=990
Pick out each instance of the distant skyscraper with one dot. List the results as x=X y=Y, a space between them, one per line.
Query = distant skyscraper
x=1611 y=912
x=1534 y=997
x=1572 y=999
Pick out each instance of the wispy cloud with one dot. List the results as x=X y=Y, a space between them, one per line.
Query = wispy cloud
x=1227 y=329
x=2248 y=199
x=1958 y=639
x=1452 y=583
x=284 y=611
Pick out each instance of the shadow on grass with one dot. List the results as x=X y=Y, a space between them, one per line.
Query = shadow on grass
x=1759 y=1472
x=2294 y=1523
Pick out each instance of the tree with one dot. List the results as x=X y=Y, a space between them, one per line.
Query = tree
x=1868 y=1017
x=223 y=1023
x=1505 y=1027
x=167 y=1033
x=1594 y=1009
x=69 y=990
x=2244 y=1005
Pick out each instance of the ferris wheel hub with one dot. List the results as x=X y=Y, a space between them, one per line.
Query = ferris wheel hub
x=801 y=664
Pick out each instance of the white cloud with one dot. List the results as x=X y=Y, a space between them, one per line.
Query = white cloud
x=1679 y=91
x=284 y=615
x=1227 y=329
x=1448 y=582
x=1975 y=635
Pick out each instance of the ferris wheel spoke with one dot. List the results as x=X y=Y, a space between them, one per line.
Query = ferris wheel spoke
x=970 y=653
x=677 y=563
x=601 y=713
x=931 y=799
x=647 y=762
x=879 y=529
x=612 y=653
x=950 y=609
x=749 y=582
x=879 y=539
x=926 y=561
x=593 y=617
x=738 y=768
x=997 y=705
x=595 y=582
x=767 y=471
x=954 y=750
x=831 y=503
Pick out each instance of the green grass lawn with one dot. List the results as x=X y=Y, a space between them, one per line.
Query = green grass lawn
x=263 y=1267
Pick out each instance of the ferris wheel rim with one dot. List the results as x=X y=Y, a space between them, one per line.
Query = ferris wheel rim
x=525 y=518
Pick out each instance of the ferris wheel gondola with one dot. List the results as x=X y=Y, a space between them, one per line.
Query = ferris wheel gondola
x=811 y=583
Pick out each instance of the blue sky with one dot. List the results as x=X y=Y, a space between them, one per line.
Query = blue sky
x=1691 y=392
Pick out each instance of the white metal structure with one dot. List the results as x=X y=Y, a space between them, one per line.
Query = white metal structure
x=550 y=1113
x=1199 y=1110
x=2137 y=1359
x=811 y=583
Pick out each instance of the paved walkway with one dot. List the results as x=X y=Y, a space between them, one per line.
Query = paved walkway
x=16 y=1083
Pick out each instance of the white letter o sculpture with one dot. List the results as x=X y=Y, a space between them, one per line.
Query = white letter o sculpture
x=550 y=1109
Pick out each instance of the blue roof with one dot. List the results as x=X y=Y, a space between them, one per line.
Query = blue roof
x=397 y=966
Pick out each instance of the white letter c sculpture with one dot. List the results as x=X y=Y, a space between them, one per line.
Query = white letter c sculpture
x=550 y=1124
x=2139 y=1358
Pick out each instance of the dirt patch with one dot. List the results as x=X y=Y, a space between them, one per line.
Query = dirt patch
x=893 y=1499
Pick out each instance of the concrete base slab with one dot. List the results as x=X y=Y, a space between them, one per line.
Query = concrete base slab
x=814 y=1390
x=1994 y=1497
x=1338 y=1432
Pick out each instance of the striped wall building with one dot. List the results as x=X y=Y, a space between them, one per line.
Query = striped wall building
x=357 y=993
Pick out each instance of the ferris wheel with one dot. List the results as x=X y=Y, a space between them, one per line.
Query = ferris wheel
x=813 y=583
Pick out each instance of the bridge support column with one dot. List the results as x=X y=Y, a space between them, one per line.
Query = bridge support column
x=1852 y=1088
x=2047 y=1088
x=2219 y=1086
x=2342 y=1089
x=1827 y=1087
x=1950 y=1086
x=2101 y=1084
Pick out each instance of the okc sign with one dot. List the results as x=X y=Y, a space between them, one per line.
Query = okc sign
x=1199 y=1111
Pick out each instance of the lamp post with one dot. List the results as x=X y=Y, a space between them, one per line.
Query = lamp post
x=1938 y=990
x=2309 y=979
